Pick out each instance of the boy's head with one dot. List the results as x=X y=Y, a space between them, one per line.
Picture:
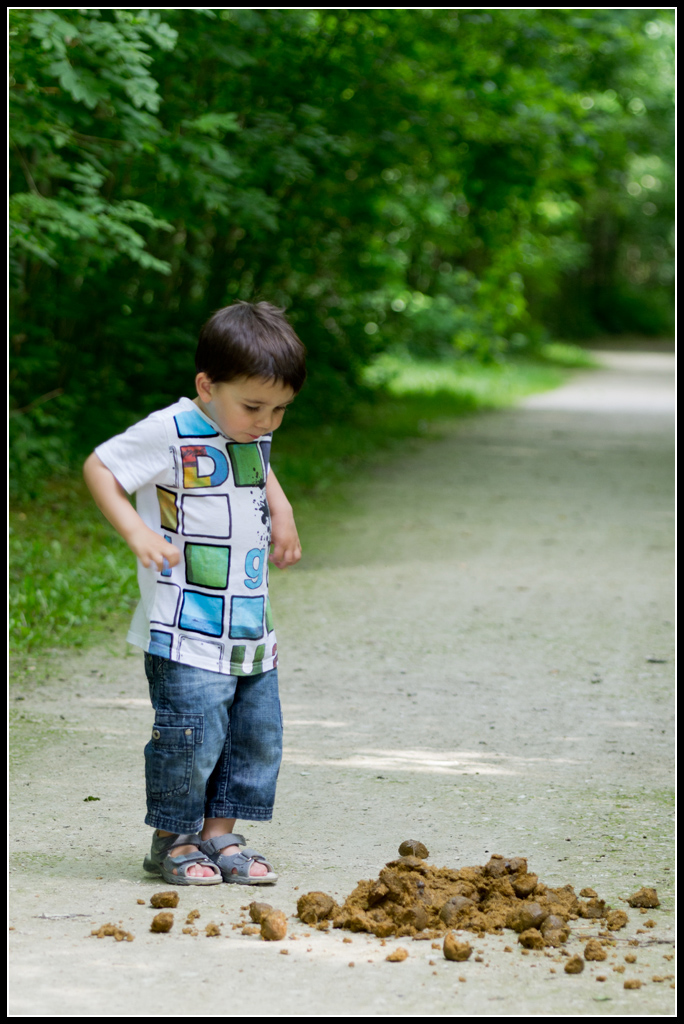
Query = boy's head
x=251 y=340
x=250 y=365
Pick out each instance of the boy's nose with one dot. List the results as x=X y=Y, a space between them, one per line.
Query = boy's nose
x=265 y=423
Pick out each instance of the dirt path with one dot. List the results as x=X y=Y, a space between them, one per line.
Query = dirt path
x=477 y=653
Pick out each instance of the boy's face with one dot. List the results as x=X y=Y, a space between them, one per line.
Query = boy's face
x=244 y=408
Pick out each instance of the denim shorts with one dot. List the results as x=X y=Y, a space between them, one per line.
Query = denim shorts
x=215 y=748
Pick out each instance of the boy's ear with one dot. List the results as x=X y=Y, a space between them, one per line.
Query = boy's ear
x=203 y=385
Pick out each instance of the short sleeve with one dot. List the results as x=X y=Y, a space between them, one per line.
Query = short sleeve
x=140 y=455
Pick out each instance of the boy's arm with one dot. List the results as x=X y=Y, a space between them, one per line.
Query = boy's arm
x=286 y=547
x=113 y=502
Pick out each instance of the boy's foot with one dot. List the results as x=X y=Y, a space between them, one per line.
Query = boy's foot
x=195 y=870
x=256 y=870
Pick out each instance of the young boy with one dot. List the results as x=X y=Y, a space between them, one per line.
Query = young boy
x=208 y=509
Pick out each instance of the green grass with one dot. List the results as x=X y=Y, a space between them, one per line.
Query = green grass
x=72 y=579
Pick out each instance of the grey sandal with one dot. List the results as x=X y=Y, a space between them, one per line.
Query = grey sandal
x=159 y=861
x=235 y=867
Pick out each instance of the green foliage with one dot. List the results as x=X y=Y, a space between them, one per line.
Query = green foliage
x=432 y=179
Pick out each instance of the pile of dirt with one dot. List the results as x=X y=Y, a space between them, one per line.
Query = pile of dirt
x=413 y=898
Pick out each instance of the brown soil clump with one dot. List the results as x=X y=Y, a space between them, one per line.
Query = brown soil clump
x=413 y=898
x=594 y=950
x=162 y=922
x=212 y=929
x=258 y=910
x=632 y=983
x=413 y=848
x=164 y=899
x=575 y=965
x=315 y=906
x=555 y=930
x=616 y=919
x=273 y=926
x=645 y=897
x=592 y=909
x=114 y=930
x=398 y=955
x=531 y=939
x=455 y=950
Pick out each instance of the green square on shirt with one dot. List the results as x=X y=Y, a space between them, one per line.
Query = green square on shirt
x=207 y=565
x=248 y=469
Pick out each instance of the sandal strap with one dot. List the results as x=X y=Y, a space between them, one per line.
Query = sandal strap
x=212 y=847
x=185 y=839
x=242 y=860
x=188 y=858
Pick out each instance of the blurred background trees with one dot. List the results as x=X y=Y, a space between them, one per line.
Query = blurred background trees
x=438 y=181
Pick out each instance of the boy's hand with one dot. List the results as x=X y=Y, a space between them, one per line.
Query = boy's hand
x=285 y=542
x=113 y=502
x=150 y=548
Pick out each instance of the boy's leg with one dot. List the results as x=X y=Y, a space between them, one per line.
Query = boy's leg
x=243 y=783
x=188 y=737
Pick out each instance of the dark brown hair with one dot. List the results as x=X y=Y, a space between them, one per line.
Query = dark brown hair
x=251 y=340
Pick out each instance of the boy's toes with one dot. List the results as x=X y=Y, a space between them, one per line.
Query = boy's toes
x=256 y=870
x=197 y=871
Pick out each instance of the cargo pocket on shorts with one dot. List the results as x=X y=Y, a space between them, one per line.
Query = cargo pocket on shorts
x=170 y=754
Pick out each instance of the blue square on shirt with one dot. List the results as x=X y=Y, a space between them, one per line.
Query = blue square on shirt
x=246 y=618
x=202 y=613
x=161 y=643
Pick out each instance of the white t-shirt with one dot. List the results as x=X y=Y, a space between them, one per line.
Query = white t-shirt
x=206 y=494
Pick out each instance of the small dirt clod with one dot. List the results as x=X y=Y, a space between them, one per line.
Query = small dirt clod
x=273 y=926
x=162 y=922
x=164 y=899
x=531 y=939
x=114 y=930
x=594 y=950
x=575 y=965
x=257 y=911
x=397 y=955
x=413 y=848
x=644 y=897
x=315 y=906
x=455 y=950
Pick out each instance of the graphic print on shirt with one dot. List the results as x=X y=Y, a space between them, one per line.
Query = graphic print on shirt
x=202 y=613
x=203 y=466
x=191 y=648
x=254 y=567
x=161 y=643
x=168 y=509
x=193 y=424
x=207 y=565
x=246 y=618
x=248 y=469
x=206 y=520
x=212 y=608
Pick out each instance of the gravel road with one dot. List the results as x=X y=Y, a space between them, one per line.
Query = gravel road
x=476 y=652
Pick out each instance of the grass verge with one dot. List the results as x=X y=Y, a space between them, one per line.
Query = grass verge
x=73 y=580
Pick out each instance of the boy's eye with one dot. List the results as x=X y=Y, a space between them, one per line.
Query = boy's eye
x=252 y=408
